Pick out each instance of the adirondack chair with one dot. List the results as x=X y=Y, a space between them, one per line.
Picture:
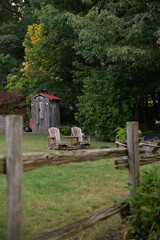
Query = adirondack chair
x=77 y=132
x=54 y=137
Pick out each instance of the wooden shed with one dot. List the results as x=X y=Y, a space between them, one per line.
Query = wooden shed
x=45 y=112
x=2 y=123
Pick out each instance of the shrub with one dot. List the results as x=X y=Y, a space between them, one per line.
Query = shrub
x=121 y=134
x=65 y=130
x=147 y=207
x=12 y=102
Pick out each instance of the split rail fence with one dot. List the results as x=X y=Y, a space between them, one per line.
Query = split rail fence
x=14 y=163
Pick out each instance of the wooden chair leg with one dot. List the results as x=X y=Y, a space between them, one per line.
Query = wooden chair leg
x=53 y=142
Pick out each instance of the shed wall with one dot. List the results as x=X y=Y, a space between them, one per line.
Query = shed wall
x=2 y=123
x=54 y=114
x=45 y=113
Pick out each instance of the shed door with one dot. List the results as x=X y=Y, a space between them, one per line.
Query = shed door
x=41 y=117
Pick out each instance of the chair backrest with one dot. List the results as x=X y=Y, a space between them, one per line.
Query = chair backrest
x=77 y=132
x=55 y=133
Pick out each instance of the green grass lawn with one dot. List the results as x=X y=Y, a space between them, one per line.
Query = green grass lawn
x=55 y=196
x=38 y=142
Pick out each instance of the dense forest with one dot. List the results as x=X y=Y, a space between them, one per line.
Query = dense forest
x=102 y=57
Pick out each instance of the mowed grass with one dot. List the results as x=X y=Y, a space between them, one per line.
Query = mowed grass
x=58 y=195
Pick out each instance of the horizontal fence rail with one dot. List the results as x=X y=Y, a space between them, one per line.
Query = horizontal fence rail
x=123 y=164
x=33 y=161
x=78 y=226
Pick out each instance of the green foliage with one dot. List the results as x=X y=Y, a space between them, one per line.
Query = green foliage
x=11 y=38
x=65 y=130
x=7 y=64
x=100 y=107
x=121 y=134
x=13 y=26
x=147 y=206
x=101 y=57
x=9 y=10
x=115 y=43
x=16 y=81
x=49 y=56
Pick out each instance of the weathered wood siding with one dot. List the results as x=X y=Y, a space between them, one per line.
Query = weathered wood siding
x=2 y=123
x=39 y=114
x=45 y=113
x=54 y=116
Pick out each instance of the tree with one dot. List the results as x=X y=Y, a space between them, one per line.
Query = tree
x=13 y=22
x=48 y=57
x=118 y=44
x=100 y=54
x=49 y=52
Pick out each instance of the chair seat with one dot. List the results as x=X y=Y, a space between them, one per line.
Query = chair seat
x=62 y=144
x=85 y=144
x=72 y=147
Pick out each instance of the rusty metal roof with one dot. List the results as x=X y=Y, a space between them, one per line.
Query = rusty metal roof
x=50 y=96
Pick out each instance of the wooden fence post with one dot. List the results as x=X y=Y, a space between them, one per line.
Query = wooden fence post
x=133 y=154
x=14 y=169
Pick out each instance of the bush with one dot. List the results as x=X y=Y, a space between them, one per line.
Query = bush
x=147 y=207
x=121 y=134
x=65 y=130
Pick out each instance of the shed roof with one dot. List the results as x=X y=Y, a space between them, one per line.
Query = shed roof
x=50 y=96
